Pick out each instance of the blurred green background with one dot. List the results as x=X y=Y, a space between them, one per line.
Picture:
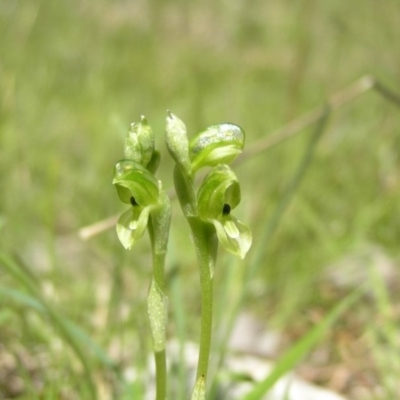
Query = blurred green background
x=74 y=74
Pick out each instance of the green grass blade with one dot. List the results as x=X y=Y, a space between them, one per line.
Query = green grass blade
x=272 y=223
x=57 y=320
x=85 y=340
x=291 y=189
x=383 y=335
x=21 y=298
x=302 y=347
x=25 y=300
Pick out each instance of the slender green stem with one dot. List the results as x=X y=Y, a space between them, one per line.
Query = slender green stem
x=204 y=240
x=160 y=356
x=159 y=251
x=58 y=321
x=161 y=375
x=158 y=269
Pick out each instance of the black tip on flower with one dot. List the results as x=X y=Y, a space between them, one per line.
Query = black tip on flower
x=226 y=210
x=133 y=201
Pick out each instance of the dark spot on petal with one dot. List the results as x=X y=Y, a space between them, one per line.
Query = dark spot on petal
x=226 y=210
x=133 y=201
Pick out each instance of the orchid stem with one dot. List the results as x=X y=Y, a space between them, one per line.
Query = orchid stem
x=160 y=356
x=202 y=239
x=205 y=244
x=158 y=252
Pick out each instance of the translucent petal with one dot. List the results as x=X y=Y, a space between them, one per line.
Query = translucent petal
x=231 y=229
x=233 y=235
x=132 y=224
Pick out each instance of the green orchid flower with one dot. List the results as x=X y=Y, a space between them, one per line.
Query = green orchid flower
x=218 y=144
x=139 y=188
x=218 y=195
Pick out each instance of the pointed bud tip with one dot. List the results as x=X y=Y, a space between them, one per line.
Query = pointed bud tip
x=177 y=141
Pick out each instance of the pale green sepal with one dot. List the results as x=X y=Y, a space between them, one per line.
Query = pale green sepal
x=177 y=141
x=132 y=179
x=218 y=144
x=233 y=235
x=132 y=224
x=157 y=309
x=139 y=144
x=199 y=390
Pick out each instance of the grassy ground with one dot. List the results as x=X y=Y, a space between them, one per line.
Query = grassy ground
x=73 y=75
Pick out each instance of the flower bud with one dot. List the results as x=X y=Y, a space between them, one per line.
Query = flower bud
x=177 y=141
x=139 y=144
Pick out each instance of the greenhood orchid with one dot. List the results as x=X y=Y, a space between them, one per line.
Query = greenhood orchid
x=208 y=212
x=218 y=195
x=149 y=208
x=139 y=188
